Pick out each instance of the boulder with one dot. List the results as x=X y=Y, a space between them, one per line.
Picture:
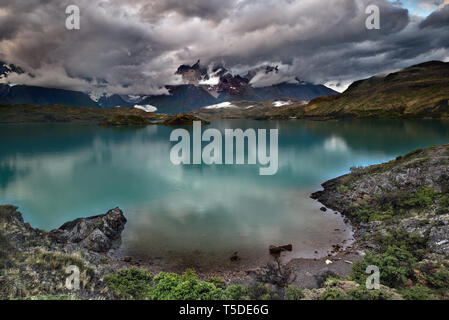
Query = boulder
x=279 y=249
x=235 y=257
x=99 y=233
x=439 y=240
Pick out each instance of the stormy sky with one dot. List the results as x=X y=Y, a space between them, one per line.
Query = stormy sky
x=135 y=46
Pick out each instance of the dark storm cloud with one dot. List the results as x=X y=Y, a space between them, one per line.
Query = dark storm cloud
x=135 y=46
x=438 y=18
x=214 y=10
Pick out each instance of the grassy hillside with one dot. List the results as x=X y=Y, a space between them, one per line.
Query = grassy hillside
x=420 y=91
x=57 y=113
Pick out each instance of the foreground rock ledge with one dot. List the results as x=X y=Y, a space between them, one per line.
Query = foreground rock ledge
x=33 y=262
x=99 y=233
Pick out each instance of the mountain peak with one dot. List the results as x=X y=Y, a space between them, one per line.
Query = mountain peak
x=6 y=69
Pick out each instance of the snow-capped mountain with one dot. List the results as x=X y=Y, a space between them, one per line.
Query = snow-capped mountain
x=203 y=86
x=6 y=69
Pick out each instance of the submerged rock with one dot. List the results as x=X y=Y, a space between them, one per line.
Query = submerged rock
x=279 y=249
x=235 y=257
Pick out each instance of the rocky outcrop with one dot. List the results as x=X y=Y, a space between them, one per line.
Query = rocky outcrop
x=439 y=239
x=420 y=168
x=100 y=233
x=410 y=193
x=183 y=119
x=276 y=250
x=33 y=262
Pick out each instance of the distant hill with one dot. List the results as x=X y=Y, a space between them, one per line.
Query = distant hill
x=415 y=92
x=38 y=96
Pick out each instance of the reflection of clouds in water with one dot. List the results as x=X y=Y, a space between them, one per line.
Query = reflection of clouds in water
x=305 y=160
x=53 y=164
x=335 y=144
x=332 y=157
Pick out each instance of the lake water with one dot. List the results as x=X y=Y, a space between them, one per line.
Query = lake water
x=59 y=172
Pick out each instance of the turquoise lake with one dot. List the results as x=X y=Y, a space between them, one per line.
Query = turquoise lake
x=58 y=172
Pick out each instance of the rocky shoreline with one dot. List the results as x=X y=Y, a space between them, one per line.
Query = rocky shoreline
x=370 y=198
x=400 y=213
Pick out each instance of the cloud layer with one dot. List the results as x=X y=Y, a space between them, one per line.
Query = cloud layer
x=135 y=46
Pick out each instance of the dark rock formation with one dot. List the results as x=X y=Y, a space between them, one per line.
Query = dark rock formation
x=278 y=249
x=100 y=233
x=235 y=257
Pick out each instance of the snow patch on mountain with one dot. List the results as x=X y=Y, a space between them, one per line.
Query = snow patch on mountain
x=146 y=108
x=282 y=103
x=222 y=105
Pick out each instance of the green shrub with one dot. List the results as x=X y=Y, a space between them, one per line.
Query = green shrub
x=234 y=292
x=396 y=265
x=423 y=198
x=416 y=293
x=333 y=294
x=331 y=281
x=170 y=286
x=443 y=204
x=362 y=293
x=218 y=282
x=411 y=242
x=294 y=293
x=196 y=290
x=261 y=291
x=164 y=284
x=439 y=279
x=130 y=284
x=342 y=188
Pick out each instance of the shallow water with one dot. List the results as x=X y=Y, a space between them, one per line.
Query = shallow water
x=197 y=214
